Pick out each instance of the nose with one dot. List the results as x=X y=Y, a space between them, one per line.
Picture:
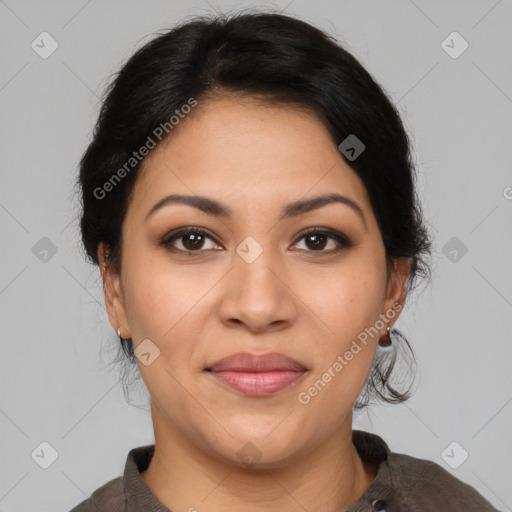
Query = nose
x=257 y=295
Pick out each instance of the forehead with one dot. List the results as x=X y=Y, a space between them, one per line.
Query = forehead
x=247 y=152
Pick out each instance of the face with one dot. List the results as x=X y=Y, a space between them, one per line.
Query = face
x=253 y=272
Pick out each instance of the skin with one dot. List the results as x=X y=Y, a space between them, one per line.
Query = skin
x=294 y=299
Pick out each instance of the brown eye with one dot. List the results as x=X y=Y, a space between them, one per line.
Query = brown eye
x=188 y=240
x=317 y=240
x=193 y=241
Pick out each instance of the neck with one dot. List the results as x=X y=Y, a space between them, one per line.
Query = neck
x=330 y=478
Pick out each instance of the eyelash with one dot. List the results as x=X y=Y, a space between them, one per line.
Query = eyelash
x=343 y=241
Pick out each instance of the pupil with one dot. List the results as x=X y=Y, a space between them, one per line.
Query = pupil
x=195 y=238
x=317 y=243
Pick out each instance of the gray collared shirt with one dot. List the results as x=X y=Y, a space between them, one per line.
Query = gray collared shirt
x=402 y=484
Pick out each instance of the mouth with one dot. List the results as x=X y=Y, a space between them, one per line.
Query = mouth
x=256 y=374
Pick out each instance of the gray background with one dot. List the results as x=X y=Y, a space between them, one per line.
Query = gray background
x=55 y=381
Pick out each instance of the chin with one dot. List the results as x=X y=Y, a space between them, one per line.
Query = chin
x=259 y=451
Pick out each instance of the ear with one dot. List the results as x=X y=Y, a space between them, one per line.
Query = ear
x=396 y=291
x=112 y=289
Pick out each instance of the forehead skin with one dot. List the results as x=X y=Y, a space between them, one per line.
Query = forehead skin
x=221 y=149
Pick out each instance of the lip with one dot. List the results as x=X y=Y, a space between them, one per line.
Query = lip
x=257 y=374
x=247 y=362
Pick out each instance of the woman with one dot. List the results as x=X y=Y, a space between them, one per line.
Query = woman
x=249 y=198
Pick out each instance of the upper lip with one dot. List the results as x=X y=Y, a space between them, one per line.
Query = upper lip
x=246 y=362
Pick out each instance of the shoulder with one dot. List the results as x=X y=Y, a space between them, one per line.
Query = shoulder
x=424 y=485
x=109 y=497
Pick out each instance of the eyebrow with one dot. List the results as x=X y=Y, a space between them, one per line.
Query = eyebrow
x=215 y=208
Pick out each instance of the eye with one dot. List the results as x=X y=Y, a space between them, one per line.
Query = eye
x=191 y=240
x=316 y=240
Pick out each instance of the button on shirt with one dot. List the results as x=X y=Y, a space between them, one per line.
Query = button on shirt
x=402 y=484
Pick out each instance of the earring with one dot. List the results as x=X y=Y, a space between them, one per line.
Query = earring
x=385 y=341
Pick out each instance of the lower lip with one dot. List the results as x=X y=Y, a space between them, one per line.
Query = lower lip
x=258 y=383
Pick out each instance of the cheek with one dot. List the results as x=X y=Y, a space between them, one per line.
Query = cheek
x=159 y=299
x=348 y=304
x=170 y=307
x=350 y=300
x=345 y=353
x=160 y=307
